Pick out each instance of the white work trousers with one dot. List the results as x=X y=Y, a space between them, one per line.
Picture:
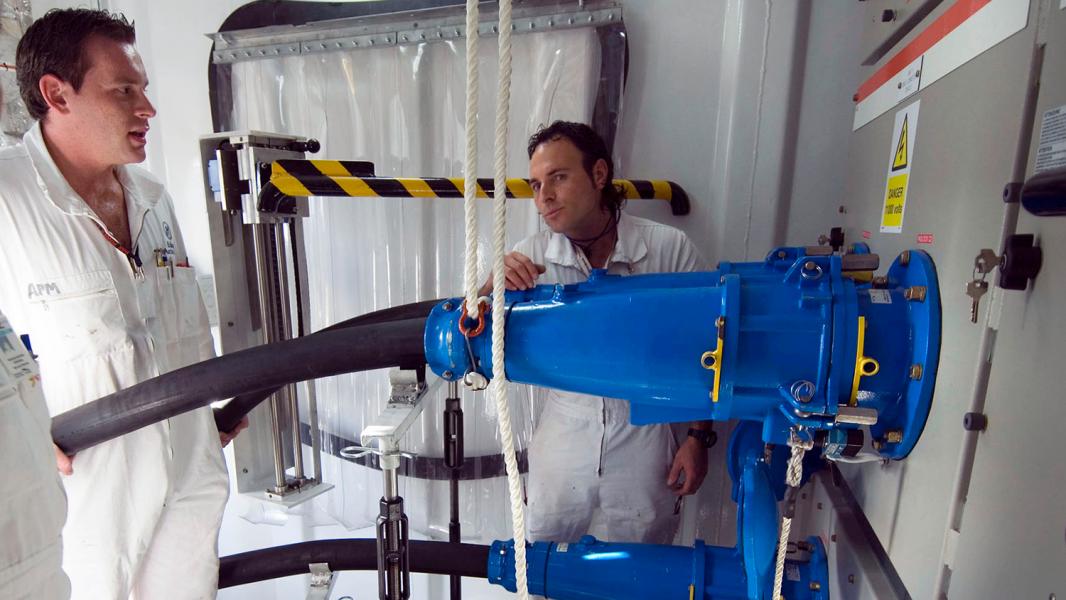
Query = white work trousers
x=587 y=462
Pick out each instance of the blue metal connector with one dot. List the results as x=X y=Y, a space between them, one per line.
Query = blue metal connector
x=789 y=342
x=595 y=570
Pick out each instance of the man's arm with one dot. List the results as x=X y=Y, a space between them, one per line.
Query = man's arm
x=691 y=459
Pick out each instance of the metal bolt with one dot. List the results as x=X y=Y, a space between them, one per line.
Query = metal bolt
x=851 y=578
x=879 y=281
x=229 y=323
x=448 y=374
x=878 y=445
x=915 y=293
x=245 y=470
x=894 y=436
x=447 y=306
x=905 y=258
x=809 y=265
x=781 y=254
x=815 y=586
x=842 y=210
x=916 y=372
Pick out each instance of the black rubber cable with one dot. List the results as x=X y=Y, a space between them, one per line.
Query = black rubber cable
x=227 y=417
x=438 y=558
x=363 y=347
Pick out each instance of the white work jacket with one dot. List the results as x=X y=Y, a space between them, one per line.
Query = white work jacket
x=32 y=504
x=99 y=323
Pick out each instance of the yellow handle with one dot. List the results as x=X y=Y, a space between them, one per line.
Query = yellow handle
x=864 y=365
x=712 y=359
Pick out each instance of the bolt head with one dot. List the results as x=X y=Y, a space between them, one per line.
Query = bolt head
x=448 y=374
x=447 y=306
x=916 y=372
x=905 y=258
x=809 y=265
x=894 y=437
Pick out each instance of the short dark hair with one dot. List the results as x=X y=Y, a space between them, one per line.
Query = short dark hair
x=592 y=149
x=55 y=45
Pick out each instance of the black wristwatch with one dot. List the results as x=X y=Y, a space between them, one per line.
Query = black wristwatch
x=707 y=438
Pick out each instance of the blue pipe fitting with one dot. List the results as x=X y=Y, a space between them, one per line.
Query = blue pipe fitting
x=786 y=342
x=595 y=570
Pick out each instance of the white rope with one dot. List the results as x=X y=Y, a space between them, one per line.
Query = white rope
x=499 y=279
x=792 y=477
x=470 y=185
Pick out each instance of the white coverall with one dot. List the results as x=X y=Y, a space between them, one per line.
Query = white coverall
x=584 y=454
x=144 y=509
x=32 y=504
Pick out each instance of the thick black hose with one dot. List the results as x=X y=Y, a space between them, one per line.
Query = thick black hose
x=438 y=558
x=227 y=417
x=346 y=350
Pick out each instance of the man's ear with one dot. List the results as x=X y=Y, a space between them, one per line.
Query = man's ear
x=599 y=174
x=56 y=93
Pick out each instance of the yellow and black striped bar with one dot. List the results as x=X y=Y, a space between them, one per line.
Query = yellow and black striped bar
x=299 y=178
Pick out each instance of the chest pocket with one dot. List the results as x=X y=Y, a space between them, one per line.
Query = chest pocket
x=180 y=319
x=76 y=315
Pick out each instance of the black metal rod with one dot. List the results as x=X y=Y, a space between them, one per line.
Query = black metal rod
x=453 y=459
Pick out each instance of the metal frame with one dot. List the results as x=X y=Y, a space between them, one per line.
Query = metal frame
x=409 y=27
x=261 y=286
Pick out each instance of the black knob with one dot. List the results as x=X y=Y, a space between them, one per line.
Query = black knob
x=888 y=16
x=974 y=422
x=1021 y=262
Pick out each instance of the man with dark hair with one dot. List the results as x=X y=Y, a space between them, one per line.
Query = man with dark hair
x=95 y=271
x=586 y=462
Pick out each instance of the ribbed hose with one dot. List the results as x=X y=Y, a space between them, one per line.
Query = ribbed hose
x=438 y=558
x=227 y=417
x=346 y=350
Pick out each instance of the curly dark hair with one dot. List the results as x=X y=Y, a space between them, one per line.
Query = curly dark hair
x=55 y=45
x=592 y=149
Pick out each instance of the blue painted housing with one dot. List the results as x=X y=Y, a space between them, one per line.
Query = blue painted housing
x=595 y=570
x=790 y=330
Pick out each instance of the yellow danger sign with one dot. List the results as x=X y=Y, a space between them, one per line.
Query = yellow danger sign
x=897 y=178
x=900 y=162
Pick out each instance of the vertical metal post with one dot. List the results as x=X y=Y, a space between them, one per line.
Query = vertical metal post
x=299 y=268
x=285 y=330
x=265 y=277
x=453 y=459
x=392 y=535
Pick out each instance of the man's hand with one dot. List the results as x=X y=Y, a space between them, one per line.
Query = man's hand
x=64 y=463
x=691 y=459
x=225 y=437
x=521 y=273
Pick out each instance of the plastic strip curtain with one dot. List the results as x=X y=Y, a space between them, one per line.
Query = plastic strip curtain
x=402 y=108
x=15 y=17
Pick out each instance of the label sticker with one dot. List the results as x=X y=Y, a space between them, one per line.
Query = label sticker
x=904 y=135
x=925 y=238
x=866 y=234
x=880 y=297
x=792 y=572
x=17 y=362
x=563 y=547
x=1051 y=153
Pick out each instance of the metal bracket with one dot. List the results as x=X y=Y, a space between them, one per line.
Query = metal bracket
x=322 y=581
